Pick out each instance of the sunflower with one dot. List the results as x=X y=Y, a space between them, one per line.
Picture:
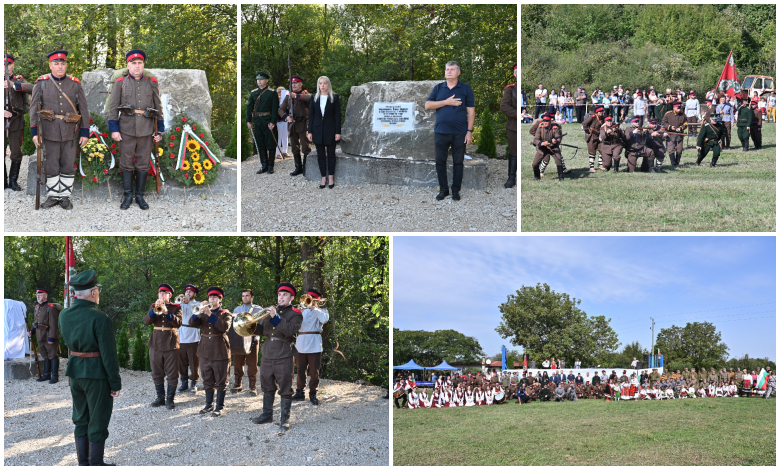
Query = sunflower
x=199 y=178
x=207 y=164
x=185 y=165
x=195 y=157
x=197 y=166
x=193 y=146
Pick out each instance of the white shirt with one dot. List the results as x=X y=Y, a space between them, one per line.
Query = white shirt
x=323 y=102
x=692 y=107
x=771 y=101
x=188 y=334
x=541 y=95
x=313 y=319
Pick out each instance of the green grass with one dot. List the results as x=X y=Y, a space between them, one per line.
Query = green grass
x=713 y=431
x=736 y=196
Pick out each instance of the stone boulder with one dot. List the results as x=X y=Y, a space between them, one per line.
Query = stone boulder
x=361 y=136
x=184 y=90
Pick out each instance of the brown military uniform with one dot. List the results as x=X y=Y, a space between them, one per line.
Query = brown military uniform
x=611 y=145
x=60 y=138
x=136 y=130
x=47 y=316
x=276 y=364
x=214 y=347
x=674 y=123
x=243 y=352
x=636 y=141
x=508 y=106
x=593 y=125
x=298 y=129
x=164 y=344
x=553 y=131
x=755 y=132
x=15 y=124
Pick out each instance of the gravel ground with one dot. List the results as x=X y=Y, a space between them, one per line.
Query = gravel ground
x=166 y=213
x=287 y=204
x=350 y=427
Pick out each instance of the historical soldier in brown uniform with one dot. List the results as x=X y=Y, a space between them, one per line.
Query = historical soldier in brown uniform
x=547 y=142
x=135 y=119
x=509 y=108
x=755 y=126
x=15 y=87
x=164 y=345
x=656 y=142
x=298 y=119
x=44 y=326
x=62 y=122
x=276 y=365
x=214 y=350
x=546 y=160
x=243 y=350
x=592 y=126
x=674 y=121
x=611 y=138
x=636 y=146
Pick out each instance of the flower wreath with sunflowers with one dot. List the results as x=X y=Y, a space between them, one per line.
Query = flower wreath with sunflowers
x=184 y=153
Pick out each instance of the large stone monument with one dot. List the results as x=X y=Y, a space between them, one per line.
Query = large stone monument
x=387 y=138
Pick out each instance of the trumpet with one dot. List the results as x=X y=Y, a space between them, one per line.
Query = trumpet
x=310 y=302
x=202 y=307
x=160 y=309
x=243 y=322
x=179 y=299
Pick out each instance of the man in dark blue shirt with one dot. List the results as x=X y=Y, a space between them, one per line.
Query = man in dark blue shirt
x=453 y=101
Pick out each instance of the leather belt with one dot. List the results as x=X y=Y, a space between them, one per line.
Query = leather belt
x=309 y=332
x=274 y=338
x=213 y=335
x=87 y=354
x=139 y=111
x=43 y=327
x=164 y=328
x=261 y=114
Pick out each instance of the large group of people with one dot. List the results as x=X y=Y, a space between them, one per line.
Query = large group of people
x=485 y=389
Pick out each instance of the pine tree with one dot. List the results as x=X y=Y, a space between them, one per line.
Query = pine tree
x=231 y=151
x=123 y=348
x=487 y=139
x=139 y=352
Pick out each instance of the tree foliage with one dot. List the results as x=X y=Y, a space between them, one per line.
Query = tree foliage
x=429 y=348
x=549 y=324
x=697 y=343
x=189 y=36
x=664 y=45
x=354 y=278
x=357 y=43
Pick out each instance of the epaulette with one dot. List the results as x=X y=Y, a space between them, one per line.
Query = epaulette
x=74 y=79
x=153 y=79
x=119 y=79
x=20 y=77
x=670 y=111
x=177 y=305
x=50 y=304
x=254 y=90
x=42 y=77
x=296 y=310
x=511 y=84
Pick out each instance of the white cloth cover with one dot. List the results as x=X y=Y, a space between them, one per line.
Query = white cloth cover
x=15 y=329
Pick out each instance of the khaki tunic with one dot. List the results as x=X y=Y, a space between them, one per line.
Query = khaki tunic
x=47 y=315
x=164 y=340
x=45 y=91
x=139 y=93
x=215 y=346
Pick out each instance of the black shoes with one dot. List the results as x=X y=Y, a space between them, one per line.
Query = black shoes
x=13 y=175
x=299 y=395
x=209 y=402
x=442 y=194
x=455 y=195
x=313 y=397
x=140 y=187
x=220 y=409
x=82 y=450
x=183 y=387
x=46 y=371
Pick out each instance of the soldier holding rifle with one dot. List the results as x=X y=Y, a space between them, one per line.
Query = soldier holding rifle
x=136 y=121
x=15 y=86
x=709 y=139
x=60 y=124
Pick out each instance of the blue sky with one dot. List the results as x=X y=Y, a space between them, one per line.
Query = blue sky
x=457 y=282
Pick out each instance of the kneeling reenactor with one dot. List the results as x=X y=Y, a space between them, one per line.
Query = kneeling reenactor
x=135 y=109
x=611 y=138
x=656 y=142
x=709 y=139
x=636 y=146
x=547 y=142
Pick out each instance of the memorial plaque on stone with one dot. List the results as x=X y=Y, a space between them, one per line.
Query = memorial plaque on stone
x=393 y=117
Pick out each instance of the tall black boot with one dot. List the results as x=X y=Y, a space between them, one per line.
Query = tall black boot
x=127 y=186
x=537 y=173
x=268 y=410
x=262 y=154
x=140 y=187
x=96 y=454
x=313 y=397
x=271 y=162
x=714 y=161
x=219 y=410
x=5 y=181
x=745 y=146
x=46 y=371
x=169 y=404
x=160 y=389
x=184 y=386
x=284 y=424
x=299 y=395
x=617 y=165
x=209 y=402
x=698 y=160
x=560 y=172
x=512 y=173
x=82 y=451
x=55 y=370
x=298 y=165
x=13 y=175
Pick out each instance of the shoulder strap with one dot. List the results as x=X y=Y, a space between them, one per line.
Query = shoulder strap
x=254 y=108
x=66 y=96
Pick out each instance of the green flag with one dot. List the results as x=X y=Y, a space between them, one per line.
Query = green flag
x=761 y=379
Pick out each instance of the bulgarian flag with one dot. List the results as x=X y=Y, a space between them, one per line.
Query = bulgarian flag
x=729 y=80
x=761 y=382
x=186 y=134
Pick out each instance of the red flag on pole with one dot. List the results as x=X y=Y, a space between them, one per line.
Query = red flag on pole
x=70 y=268
x=729 y=80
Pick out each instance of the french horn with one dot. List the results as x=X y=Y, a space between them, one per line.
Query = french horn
x=243 y=323
x=307 y=301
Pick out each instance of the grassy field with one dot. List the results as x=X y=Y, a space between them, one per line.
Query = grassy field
x=736 y=196
x=718 y=431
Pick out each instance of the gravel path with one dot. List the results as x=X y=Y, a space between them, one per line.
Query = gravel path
x=350 y=427
x=166 y=213
x=280 y=202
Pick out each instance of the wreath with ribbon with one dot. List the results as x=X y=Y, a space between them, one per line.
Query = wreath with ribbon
x=97 y=161
x=185 y=155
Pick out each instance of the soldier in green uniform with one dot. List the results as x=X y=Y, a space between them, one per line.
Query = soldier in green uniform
x=262 y=110
x=278 y=351
x=45 y=328
x=15 y=87
x=709 y=139
x=92 y=367
x=744 y=120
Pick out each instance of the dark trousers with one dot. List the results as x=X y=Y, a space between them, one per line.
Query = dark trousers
x=327 y=166
x=403 y=399
x=511 y=138
x=165 y=365
x=92 y=407
x=580 y=113
x=48 y=351
x=443 y=143
x=312 y=361
x=275 y=372
x=539 y=108
x=214 y=373
x=15 y=140
x=60 y=156
x=727 y=138
x=188 y=361
x=298 y=140
x=251 y=366
x=755 y=134
x=136 y=152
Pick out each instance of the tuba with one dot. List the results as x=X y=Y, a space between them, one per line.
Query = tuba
x=243 y=323
x=310 y=302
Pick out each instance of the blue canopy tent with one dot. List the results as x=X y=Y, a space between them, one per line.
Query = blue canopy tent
x=442 y=366
x=411 y=365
